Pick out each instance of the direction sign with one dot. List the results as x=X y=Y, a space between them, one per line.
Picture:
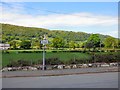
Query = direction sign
x=44 y=42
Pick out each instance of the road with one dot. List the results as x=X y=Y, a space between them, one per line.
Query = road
x=95 y=80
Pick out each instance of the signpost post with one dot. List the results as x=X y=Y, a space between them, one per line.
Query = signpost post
x=44 y=42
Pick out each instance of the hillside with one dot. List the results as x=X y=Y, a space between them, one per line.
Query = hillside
x=13 y=32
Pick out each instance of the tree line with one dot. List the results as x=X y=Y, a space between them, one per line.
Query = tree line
x=92 y=42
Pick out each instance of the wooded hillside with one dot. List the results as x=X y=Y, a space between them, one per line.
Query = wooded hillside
x=13 y=32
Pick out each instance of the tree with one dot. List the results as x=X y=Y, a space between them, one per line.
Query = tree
x=93 y=41
x=72 y=44
x=81 y=44
x=58 y=43
x=89 y=45
x=25 y=44
x=35 y=43
x=15 y=44
x=110 y=42
x=118 y=43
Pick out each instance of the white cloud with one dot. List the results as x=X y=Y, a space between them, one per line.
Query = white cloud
x=81 y=19
x=113 y=33
x=57 y=20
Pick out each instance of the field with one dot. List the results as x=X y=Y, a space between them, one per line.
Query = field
x=37 y=57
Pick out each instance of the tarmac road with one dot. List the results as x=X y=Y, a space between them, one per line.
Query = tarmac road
x=95 y=80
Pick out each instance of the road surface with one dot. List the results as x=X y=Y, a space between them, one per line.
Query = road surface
x=95 y=80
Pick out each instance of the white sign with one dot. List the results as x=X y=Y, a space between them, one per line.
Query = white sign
x=44 y=42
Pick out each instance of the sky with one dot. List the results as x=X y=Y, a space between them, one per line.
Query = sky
x=89 y=17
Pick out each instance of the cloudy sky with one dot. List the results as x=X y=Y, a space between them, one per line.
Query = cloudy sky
x=89 y=17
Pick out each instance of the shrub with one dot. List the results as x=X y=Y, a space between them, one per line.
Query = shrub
x=53 y=61
x=19 y=63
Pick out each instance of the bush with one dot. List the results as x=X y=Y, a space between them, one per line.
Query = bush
x=13 y=64
x=5 y=52
x=19 y=63
x=108 y=57
x=30 y=51
x=54 y=51
x=53 y=61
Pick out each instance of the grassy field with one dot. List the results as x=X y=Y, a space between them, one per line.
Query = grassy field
x=35 y=57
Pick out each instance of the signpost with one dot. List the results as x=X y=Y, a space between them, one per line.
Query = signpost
x=44 y=42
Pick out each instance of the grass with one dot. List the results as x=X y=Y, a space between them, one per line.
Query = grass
x=13 y=55
x=35 y=57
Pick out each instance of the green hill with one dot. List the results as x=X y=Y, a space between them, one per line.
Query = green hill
x=14 y=32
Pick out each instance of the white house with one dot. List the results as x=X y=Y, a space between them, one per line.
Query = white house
x=4 y=46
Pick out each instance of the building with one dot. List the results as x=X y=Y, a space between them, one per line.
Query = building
x=4 y=46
